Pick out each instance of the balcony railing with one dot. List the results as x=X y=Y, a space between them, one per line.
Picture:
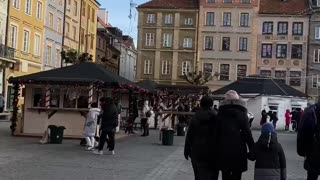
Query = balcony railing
x=6 y=52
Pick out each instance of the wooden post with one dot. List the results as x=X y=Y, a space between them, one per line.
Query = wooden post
x=48 y=97
x=44 y=138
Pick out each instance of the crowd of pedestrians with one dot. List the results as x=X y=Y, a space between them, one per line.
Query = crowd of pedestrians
x=220 y=140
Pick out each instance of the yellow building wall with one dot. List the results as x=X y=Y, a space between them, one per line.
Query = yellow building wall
x=71 y=39
x=89 y=24
x=26 y=62
x=23 y=21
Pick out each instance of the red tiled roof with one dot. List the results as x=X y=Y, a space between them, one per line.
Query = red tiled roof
x=170 y=4
x=292 y=7
x=103 y=23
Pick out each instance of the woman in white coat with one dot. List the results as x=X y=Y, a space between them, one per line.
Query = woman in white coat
x=145 y=115
x=90 y=126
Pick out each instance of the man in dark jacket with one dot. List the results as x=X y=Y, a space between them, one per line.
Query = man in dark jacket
x=234 y=135
x=308 y=141
x=200 y=142
x=109 y=122
x=273 y=118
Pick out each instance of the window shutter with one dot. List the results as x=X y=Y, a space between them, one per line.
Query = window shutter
x=239 y=41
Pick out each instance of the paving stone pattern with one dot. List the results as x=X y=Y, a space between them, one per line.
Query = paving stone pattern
x=136 y=158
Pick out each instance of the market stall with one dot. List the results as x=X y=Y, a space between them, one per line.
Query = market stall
x=264 y=93
x=63 y=96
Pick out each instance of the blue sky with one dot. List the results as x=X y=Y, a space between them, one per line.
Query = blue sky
x=118 y=15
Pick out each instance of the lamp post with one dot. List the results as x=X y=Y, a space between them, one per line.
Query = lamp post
x=63 y=30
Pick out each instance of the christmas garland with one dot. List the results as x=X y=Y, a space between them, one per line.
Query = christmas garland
x=129 y=87
x=14 y=118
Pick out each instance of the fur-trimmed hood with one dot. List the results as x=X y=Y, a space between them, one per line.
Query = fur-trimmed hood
x=237 y=102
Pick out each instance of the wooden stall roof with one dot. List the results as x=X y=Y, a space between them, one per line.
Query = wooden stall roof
x=262 y=86
x=83 y=74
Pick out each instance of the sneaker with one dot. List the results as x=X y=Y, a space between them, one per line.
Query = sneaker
x=89 y=148
x=111 y=153
x=97 y=152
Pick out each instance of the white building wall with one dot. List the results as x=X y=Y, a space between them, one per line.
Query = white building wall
x=128 y=59
x=256 y=105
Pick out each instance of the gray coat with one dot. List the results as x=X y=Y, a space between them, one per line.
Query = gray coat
x=90 y=125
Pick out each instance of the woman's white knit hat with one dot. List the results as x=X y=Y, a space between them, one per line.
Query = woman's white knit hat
x=231 y=95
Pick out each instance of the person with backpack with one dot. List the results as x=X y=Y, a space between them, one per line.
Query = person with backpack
x=109 y=122
x=308 y=141
x=269 y=155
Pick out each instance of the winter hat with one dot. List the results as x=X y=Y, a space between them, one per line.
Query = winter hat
x=267 y=128
x=232 y=95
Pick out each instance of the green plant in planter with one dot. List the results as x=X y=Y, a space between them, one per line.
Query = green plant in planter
x=74 y=57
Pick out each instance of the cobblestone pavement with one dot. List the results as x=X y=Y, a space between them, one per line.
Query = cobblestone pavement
x=136 y=158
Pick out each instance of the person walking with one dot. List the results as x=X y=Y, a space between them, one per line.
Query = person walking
x=273 y=118
x=109 y=122
x=145 y=115
x=251 y=118
x=234 y=135
x=264 y=116
x=269 y=155
x=308 y=141
x=90 y=126
x=200 y=144
x=288 y=119
x=298 y=115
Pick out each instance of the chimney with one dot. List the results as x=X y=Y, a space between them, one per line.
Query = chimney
x=103 y=14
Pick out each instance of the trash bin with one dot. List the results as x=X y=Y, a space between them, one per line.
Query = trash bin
x=181 y=130
x=56 y=134
x=167 y=137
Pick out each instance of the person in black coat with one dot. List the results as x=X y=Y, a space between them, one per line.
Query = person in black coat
x=273 y=118
x=234 y=137
x=308 y=141
x=109 y=122
x=200 y=142
x=264 y=117
x=269 y=155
